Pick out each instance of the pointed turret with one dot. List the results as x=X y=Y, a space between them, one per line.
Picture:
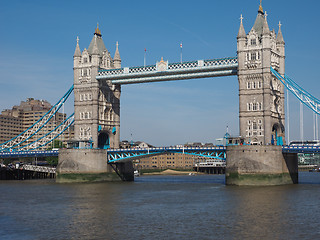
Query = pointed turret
x=117 y=59
x=280 y=36
x=242 y=32
x=258 y=24
x=265 y=29
x=95 y=50
x=97 y=40
x=77 y=52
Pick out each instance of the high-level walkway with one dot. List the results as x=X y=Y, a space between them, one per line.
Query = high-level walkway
x=164 y=71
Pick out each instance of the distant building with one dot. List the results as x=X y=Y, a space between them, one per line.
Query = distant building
x=126 y=144
x=169 y=160
x=9 y=127
x=18 y=119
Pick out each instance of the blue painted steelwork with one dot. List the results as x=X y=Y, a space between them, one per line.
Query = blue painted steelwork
x=31 y=131
x=305 y=97
x=301 y=149
x=121 y=155
x=29 y=154
x=51 y=132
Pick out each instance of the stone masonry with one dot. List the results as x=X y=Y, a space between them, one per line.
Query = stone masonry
x=96 y=104
x=261 y=95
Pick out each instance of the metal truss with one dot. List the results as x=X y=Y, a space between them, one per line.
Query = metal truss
x=123 y=155
x=39 y=168
x=20 y=154
x=17 y=141
x=301 y=149
x=173 y=71
x=305 y=97
x=49 y=137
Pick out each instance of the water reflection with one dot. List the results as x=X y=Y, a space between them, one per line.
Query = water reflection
x=178 y=207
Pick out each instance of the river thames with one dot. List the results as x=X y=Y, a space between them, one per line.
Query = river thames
x=160 y=207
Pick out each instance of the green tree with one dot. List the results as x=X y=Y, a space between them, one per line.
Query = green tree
x=56 y=144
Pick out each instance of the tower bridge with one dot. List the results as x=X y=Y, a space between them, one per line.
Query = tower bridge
x=259 y=65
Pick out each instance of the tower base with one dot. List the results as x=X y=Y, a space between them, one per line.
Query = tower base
x=260 y=166
x=90 y=165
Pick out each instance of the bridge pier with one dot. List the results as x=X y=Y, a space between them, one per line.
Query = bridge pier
x=90 y=165
x=260 y=165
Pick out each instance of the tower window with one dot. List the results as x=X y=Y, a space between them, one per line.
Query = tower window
x=254 y=106
x=253 y=42
x=248 y=85
x=254 y=126
x=253 y=56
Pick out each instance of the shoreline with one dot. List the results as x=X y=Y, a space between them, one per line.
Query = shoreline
x=171 y=172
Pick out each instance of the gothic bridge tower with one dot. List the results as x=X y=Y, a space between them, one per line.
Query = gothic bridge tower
x=96 y=104
x=261 y=95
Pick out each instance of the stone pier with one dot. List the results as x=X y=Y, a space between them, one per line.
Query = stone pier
x=90 y=165
x=260 y=165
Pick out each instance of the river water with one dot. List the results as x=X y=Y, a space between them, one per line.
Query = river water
x=160 y=207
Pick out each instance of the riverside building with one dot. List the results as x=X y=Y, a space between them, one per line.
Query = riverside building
x=18 y=119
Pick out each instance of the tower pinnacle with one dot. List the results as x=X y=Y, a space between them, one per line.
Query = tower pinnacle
x=97 y=32
x=242 y=32
x=260 y=8
x=280 y=36
x=117 y=59
x=77 y=52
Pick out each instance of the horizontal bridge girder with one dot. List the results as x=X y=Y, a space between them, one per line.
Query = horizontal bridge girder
x=184 y=76
x=301 y=149
x=123 y=155
x=170 y=72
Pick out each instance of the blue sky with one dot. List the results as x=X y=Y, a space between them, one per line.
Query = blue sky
x=38 y=40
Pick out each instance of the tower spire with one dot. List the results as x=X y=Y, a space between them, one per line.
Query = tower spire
x=242 y=32
x=95 y=49
x=77 y=52
x=97 y=32
x=116 y=58
x=280 y=36
x=265 y=29
x=260 y=8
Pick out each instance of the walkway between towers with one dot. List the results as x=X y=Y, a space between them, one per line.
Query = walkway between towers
x=164 y=71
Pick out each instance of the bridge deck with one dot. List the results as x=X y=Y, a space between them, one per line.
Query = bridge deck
x=117 y=155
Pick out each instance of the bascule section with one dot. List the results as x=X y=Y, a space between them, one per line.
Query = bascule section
x=261 y=94
x=96 y=104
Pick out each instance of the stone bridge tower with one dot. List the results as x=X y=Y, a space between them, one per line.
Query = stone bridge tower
x=96 y=103
x=261 y=95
